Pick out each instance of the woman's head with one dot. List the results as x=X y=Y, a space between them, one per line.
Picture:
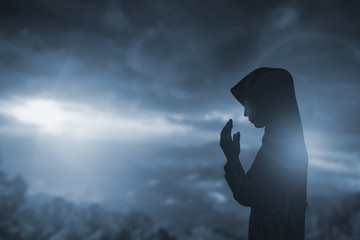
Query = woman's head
x=268 y=97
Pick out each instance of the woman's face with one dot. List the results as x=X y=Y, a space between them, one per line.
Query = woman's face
x=254 y=116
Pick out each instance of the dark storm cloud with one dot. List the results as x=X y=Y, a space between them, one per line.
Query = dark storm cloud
x=335 y=17
x=178 y=52
x=178 y=56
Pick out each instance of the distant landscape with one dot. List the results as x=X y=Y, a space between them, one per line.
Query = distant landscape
x=56 y=218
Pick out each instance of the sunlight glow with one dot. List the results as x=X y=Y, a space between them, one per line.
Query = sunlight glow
x=46 y=114
x=82 y=121
x=124 y=123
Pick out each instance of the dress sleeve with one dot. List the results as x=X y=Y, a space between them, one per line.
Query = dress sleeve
x=236 y=179
x=254 y=188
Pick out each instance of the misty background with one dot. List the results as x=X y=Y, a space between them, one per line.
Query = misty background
x=110 y=111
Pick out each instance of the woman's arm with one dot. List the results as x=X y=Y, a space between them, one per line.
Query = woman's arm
x=236 y=179
x=234 y=172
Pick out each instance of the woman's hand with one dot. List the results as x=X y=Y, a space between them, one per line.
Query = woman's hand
x=230 y=147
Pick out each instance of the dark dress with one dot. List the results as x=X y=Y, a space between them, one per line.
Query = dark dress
x=275 y=185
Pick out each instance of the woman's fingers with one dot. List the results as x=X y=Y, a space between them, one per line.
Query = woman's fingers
x=226 y=131
x=236 y=137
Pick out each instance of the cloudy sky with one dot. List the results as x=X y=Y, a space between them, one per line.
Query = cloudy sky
x=122 y=102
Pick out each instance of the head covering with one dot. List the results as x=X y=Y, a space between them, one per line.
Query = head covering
x=250 y=84
x=272 y=92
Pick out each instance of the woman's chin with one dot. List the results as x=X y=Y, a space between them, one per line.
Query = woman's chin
x=258 y=125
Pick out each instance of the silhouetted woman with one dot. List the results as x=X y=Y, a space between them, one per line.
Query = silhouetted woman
x=275 y=185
